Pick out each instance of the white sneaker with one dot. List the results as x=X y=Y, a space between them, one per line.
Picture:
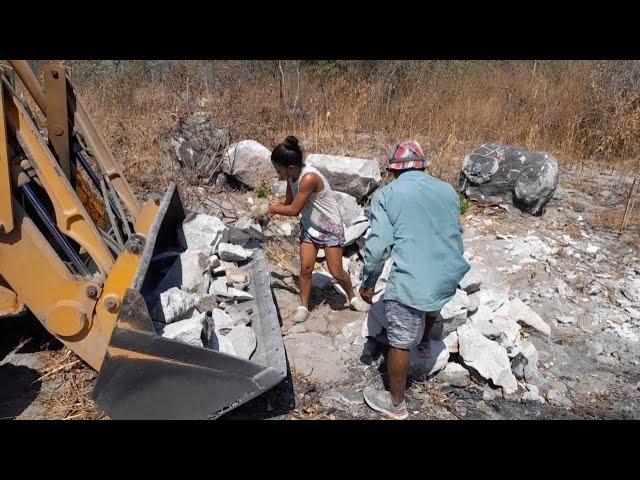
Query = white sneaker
x=301 y=314
x=359 y=305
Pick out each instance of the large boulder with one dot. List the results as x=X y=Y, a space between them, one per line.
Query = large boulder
x=249 y=162
x=355 y=176
x=497 y=173
x=486 y=357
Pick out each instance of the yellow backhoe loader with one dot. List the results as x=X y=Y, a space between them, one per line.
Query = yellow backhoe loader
x=76 y=249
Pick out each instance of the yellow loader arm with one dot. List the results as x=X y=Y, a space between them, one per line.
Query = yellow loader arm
x=82 y=266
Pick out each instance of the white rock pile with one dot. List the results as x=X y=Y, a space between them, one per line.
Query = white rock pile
x=487 y=339
x=199 y=300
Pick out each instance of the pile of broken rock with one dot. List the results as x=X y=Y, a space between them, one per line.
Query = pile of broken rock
x=199 y=300
x=484 y=338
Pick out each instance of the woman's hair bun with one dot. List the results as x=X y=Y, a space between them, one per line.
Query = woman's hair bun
x=291 y=143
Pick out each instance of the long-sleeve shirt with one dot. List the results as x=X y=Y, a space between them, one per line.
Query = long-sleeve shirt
x=418 y=216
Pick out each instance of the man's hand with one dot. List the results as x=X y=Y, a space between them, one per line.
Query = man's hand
x=258 y=212
x=367 y=295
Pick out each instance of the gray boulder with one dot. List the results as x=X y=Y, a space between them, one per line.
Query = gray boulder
x=249 y=162
x=498 y=173
x=355 y=176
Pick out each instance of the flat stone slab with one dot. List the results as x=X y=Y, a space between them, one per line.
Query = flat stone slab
x=314 y=356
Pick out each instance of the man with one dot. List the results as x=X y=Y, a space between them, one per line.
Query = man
x=418 y=217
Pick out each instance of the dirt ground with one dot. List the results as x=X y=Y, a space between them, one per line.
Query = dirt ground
x=43 y=380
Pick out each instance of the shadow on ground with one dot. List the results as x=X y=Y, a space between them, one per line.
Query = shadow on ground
x=278 y=401
x=19 y=337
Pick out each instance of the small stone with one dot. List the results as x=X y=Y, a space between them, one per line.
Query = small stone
x=490 y=394
x=594 y=348
x=474 y=303
x=530 y=353
x=220 y=343
x=352 y=233
x=220 y=289
x=222 y=319
x=203 y=231
x=243 y=340
x=439 y=356
x=233 y=253
x=284 y=229
x=518 y=311
x=224 y=266
x=187 y=331
x=214 y=262
x=554 y=396
x=344 y=397
x=633 y=313
x=236 y=275
x=206 y=303
x=592 y=249
x=250 y=227
x=456 y=307
x=595 y=287
x=321 y=279
x=174 y=305
x=451 y=342
x=532 y=397
x=607 y=361
x=240 y=316
x=236 y=294
x=297 y=328
x=454 y=374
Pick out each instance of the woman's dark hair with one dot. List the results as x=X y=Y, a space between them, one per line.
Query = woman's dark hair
x=288 y=153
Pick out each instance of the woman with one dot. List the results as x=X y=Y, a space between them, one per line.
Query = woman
x=309 y=194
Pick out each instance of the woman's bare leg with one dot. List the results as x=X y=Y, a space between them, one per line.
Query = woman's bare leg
x=308 y=254
x=334 y=262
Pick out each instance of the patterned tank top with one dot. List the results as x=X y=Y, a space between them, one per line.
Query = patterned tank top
x=320 y=218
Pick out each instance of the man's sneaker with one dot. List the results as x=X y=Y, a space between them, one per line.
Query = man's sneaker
x=380 y=401
x=359 y=304
x=301 y=314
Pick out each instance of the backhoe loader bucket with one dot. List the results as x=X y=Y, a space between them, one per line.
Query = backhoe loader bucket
x=146 y=376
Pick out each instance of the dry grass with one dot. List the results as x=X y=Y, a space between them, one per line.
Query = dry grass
x=73 y=399
x=582 y=112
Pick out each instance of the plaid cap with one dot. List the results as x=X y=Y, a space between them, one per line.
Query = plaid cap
x=405 y=155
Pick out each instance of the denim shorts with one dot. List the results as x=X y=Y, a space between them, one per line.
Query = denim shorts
x=405 y=325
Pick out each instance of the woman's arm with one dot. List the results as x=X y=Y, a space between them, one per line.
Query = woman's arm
x=308 y=184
